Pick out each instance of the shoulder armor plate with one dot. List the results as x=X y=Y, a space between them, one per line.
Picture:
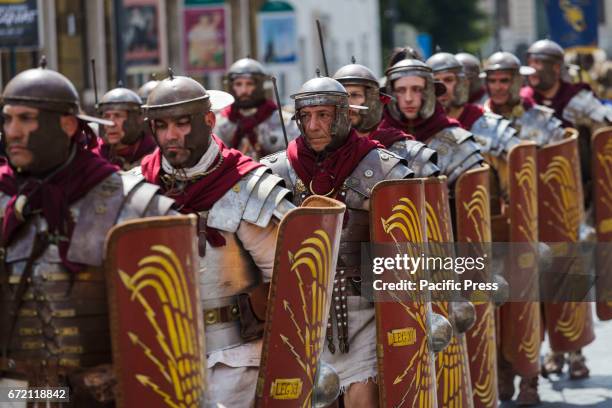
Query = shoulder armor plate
x=224 y=128
x=120 y=197
x=539 y=124
x=270 y=133
x=584 y=109
x=377 y=165
x=457 y=152
x=254 y=199
x=279 y=163
x=494 y=134
x=419 y=157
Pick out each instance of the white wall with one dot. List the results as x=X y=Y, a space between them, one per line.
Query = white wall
x=352 y=28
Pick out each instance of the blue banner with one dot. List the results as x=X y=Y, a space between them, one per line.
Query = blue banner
x=424 y=43
x=573 y=23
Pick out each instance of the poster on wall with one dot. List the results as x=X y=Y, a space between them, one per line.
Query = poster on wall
x=19 y=24
x=144 y=36
x=277 y=45
x=206 y=44
x=277 y=42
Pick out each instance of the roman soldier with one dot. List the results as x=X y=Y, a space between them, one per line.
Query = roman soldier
x=503 y=77
x=329 y=158
x=574 y=104
x=362 y=87
x=417 y=112
x=471 y=67
x=58 y=201
x=238 y=203
x=251 y=124
x=126 y=142
x=577 y=106
x=494 y=134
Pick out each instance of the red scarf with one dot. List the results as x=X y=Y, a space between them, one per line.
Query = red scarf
x=387 y=134
x=327 y=175
x=53 y=196
x=558 y=102
x=128 y=154
x=246 y=124
x=205 y=192
x=471 y=113
x=423 y=129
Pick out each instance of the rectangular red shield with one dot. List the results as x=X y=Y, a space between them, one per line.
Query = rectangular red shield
x=601 y=146
x=569 y=324
x=520 y=322
x=298 y=305
x=452 y=367
x=157 y=329
x=406 y=375
x=473 y=221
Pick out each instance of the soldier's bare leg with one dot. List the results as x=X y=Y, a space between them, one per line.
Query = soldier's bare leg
x=577 y=365
x=361 y=395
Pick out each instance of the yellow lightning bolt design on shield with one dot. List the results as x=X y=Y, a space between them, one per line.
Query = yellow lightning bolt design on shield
x=161 y=278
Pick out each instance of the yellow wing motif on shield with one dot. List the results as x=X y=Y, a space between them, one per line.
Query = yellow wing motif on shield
x=311 y=265
x=161 y=278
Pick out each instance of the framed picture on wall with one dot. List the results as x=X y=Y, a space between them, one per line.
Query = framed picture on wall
x=144 y=36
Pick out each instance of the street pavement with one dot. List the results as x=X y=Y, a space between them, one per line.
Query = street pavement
x=596 y=391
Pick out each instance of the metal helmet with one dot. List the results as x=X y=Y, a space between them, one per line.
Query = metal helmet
x=471 y=68
x=357 y=74
x=505 y=61
x=180 y=96
x=413 y=67
x=550 y=54
x=54 y=96
x=146 y=89
x=322 y=91
x=546 y=49
x=42 y=88
x=177 y=96
x=247 y=68
x=125 y=100
x=446 y=62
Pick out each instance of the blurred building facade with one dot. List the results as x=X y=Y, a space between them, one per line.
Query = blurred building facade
x=72 y=32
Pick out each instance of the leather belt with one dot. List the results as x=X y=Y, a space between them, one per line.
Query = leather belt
x=223 y=314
